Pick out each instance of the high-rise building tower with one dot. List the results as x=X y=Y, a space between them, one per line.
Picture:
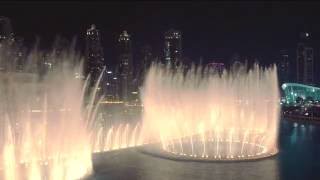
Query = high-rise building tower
x=6 y=32
x=94 y=54
x=173 y=47
x=146 y=60
x=111 y=85
x=305 y=60
x=125 y=68
x=20 y=54
x=8 y=46
x=284 y=67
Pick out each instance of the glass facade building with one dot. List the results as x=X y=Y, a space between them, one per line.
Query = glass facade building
x=292 y=92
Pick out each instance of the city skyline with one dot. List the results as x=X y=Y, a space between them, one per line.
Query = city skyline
x=159 y=90
x=210 y=30
x=173 y=35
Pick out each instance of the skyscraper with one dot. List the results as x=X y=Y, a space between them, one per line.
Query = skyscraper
x=145 y=60
x=6 y=32
x=12 y=48
x=94 y=54
x=20 y=54
x=125 y=68
x=111 y=85
x=5 y=36
x=173 y=47
x=284 y=67
x=305 y=60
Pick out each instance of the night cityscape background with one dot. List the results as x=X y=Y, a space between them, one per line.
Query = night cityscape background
x=119 y=41
x=210 y=32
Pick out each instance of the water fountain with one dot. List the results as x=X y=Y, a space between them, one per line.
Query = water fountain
x=45 y=124
x=49 y=132
x=200 y=115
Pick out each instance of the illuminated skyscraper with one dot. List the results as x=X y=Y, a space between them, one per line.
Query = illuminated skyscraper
x=305 y=62
x=94 y=54
x=111 y=85
x=20 y=54
x=125 y=68
x=173 y=47
x=12 y=49
x=284 y=67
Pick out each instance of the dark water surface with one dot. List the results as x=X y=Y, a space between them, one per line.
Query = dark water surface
x=298 y=158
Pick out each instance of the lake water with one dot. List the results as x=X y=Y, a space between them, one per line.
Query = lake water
x=298 y=158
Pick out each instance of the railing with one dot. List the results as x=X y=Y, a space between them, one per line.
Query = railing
x=302 y=118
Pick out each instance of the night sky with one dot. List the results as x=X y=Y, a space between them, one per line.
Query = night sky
x=210 y=30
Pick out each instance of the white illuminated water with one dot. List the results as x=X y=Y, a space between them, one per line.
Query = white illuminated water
x=45 y=124
x=50 y=128
x=196 y=115
x=208 y=116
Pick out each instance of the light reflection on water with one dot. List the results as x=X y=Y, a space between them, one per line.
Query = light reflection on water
x=300 y=149
x=299 y=158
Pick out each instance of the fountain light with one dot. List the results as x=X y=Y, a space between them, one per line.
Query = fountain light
x=234 y=116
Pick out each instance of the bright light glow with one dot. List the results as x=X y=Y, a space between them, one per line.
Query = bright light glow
x=284 y=86
x=206 y=118
x=48 y=131
x=217 y=118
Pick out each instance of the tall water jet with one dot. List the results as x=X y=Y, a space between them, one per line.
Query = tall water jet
x=45 y=122
x=201 y=115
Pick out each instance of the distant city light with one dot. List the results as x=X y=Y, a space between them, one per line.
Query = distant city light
x=284 y=86
x=109 y=72
x=115 y=78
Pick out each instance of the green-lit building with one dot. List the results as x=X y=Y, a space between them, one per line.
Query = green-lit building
x=293 y=92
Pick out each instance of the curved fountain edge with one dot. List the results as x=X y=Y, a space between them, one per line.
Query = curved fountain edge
x=143 y=150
